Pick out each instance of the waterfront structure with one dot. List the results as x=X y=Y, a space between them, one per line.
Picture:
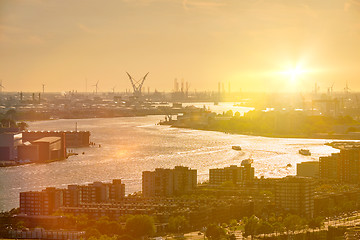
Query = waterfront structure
x=72 y=139
x=48 y=201
x=76 y=139
x=308 y=169
x=9 y=141
x=295 y=194
x=232 y=174
x=168 y=182
x=42 y=150
x=343 y=166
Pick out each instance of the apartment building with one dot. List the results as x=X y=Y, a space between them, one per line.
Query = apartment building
x=168 y=182
x=295 y=194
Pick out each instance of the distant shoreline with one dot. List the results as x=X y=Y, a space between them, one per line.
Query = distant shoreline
x=314 y=136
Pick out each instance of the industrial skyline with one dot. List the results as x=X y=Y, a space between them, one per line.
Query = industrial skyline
x=254 y=45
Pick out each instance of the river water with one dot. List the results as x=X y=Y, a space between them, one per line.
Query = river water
x=132 y=145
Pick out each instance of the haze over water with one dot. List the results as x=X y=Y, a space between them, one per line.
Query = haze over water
x=132 y=145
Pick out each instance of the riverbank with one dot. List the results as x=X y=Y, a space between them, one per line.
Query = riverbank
x=274 y=124
x=270 y=135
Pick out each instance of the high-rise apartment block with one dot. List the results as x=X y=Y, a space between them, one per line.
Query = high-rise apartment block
x=343 y=166
x=308 y=169
x=295 y=194
x=168 y=182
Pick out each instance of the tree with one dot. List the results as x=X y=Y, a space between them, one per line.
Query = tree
x=178 y=224
x=22 y=126
x=265 y=228
x=214 y=232
x=140 y=225
x=229 y=113
x=293 y=222
x=278 y=227
x=315 y=223
x=233 y=223
x=251 y=226
x=20 y=225
x=92 y=232
x=232 y=237
x=11 y=114
x=5 y=122
x=228 y=184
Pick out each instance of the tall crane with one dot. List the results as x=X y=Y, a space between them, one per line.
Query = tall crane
x=137 y=85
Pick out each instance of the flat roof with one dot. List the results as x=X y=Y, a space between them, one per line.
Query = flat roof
x=48 y=139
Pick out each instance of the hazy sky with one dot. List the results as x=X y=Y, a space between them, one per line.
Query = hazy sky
x=250 y=43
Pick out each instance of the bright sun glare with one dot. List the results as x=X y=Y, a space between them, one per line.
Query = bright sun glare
x=294 y=73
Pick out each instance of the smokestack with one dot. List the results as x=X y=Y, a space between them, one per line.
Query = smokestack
x=182 y=85
x=176 y=85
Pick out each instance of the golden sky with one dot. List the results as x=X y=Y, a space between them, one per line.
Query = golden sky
x=253 y=44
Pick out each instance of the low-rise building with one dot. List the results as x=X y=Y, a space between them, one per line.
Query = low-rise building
x=71 y=139
x=50 y=200
x=40 y=233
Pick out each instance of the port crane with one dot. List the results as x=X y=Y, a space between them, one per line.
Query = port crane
x=137 y=85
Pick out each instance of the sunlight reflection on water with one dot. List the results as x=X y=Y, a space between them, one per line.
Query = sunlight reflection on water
x=132 y=145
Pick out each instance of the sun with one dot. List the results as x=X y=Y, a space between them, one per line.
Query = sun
x=294 y=74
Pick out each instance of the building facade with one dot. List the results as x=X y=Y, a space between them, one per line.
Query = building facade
x=343 y=166
x=295 y=194
x=9 y=141
x=168 y=182
x=232 y=174
x=308 y=169
x=50 y=200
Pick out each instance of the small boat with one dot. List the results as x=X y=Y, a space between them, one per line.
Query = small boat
x=247 y=162
x=305 y=152
x=237 y=147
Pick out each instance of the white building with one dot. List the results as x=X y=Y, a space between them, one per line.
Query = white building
x=8 y=145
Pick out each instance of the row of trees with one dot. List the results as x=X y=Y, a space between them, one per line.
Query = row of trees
x=291 y=223
x=9 y=119
x=280 y=123
x=134 y=226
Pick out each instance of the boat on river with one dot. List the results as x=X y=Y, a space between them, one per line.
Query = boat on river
x=305 y=152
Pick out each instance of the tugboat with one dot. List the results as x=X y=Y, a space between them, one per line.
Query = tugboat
x=305 y=152
x=237 y=148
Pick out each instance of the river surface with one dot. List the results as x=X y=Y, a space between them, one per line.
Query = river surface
x=132 y=145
